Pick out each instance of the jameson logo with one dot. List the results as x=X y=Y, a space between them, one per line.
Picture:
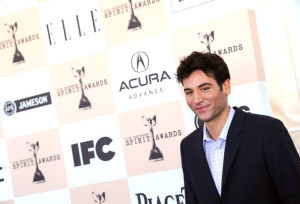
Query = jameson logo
x=207 y=40
x=140 y=63
x=98 y=198
x=15 y=42
x=128 y=7
x=80 y=88
x=25 y=104
x=83 y=28
x=142 y=198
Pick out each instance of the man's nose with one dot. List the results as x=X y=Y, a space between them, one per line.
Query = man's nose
x=198 y=97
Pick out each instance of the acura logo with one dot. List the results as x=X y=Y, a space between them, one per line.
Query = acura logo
x=140 y=62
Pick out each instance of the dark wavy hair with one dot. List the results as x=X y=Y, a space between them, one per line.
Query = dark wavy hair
x=211 y=64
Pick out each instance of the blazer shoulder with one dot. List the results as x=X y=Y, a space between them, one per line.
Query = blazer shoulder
x=193 y=136
x=257 y=118
x=264 y=119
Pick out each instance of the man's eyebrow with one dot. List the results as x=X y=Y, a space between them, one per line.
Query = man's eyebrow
x=204 y=84
x=201 y=85
x=186 y=89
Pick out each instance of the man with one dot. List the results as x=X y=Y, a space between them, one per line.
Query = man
x=236 y=157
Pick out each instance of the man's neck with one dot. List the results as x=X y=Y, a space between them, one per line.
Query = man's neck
x=215 y=127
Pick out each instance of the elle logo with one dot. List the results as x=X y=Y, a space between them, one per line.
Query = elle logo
x=94 y=24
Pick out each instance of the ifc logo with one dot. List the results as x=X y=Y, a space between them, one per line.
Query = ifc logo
x=9 y=108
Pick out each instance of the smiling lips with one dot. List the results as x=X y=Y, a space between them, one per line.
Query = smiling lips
x=201 y=108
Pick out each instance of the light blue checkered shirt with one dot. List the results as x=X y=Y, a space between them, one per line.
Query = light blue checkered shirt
x=214 y=151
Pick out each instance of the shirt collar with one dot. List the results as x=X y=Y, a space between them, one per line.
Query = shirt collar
x=225 y=129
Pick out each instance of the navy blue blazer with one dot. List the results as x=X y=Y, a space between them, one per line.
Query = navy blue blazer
x=261 y=164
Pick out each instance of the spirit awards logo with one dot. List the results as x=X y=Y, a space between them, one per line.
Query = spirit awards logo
x=206 y=39
x=98 y=198
x=134 y=23
x=12 y=29
x=147 y=138
x=34 y=162
x=38 y=175
x=155 y=154
x=140 y=62
x=12 y=107
x=84 y=102
x=80 y=88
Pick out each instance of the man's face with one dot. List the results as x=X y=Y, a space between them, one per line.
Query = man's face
x=204 y=97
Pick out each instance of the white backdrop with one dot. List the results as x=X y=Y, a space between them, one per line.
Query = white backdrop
x=57 y=151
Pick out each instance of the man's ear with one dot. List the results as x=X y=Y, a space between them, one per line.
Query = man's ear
x=227 y=87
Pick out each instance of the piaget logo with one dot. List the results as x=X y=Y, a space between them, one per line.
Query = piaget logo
x=143 y=198
x=11 y=107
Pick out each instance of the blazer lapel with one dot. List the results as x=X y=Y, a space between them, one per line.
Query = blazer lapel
x=232 y=142
x=204 y=168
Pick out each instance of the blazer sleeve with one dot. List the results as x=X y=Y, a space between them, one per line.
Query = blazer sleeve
x=283 y=162
x=190 y=195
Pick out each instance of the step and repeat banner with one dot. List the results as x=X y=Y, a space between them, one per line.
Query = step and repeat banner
x=91 y=111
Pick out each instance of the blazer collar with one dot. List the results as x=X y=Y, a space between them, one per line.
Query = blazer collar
x=203 y=165
x=233 y=142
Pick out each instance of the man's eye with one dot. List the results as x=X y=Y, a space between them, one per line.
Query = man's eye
x=205 y=88
x=188 y=93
